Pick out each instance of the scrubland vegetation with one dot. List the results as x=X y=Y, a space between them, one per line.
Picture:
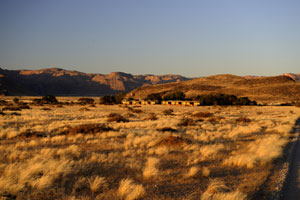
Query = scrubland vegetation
x=93 y=151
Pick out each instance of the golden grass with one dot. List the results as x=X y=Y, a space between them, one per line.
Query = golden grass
x=129 y=190
x=150 y=170
x=140 y=158
x=217 y=190
x=259 y=152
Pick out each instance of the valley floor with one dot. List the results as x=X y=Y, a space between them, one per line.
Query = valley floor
x=144 y=152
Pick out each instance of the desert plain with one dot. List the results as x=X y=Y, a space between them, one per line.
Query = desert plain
x=93 y=151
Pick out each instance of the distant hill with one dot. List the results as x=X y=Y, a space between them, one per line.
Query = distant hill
x=263 y=89
x=62 y=82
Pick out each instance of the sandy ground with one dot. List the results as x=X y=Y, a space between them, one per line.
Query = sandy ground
x=291 y=190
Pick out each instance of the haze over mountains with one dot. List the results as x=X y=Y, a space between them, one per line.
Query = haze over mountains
x=62 y=82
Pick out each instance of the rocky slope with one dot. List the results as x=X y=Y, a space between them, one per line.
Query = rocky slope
x=62 y=82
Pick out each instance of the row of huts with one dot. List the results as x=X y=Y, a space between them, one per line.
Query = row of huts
x=171 y=102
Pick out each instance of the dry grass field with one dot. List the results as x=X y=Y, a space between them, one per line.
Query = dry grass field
x=120 y=152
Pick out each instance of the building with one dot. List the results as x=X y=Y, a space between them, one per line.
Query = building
x=139 y=102
x=181 y=103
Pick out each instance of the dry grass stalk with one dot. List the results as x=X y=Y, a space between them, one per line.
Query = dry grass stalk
x=129 y=190
x=97 y=183
x=150 y=170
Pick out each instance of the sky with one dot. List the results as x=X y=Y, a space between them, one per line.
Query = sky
x=192 y=38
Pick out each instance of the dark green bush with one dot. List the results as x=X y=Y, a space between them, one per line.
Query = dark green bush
x=107 y=100
x=119 y=98
x=223 y=99
x=154 y=97
x=49 y=99
x=168 y=112
x=85 y=100
x=16 y=100
x=175 y=96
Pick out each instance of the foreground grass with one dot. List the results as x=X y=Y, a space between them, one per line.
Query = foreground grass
x=117 y=152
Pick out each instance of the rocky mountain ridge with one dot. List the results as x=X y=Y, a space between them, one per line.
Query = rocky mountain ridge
x=62 y=82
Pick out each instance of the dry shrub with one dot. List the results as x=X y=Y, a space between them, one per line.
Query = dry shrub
x=136 y=111
x=46 y=109
x=31 y=134
x=186 y=122
x=88 y=129
x=151 y=116
x=129 y=190
x=150 y=169
x=11 y=108
x=243 y=120
x=167 y=129
x=3 y=102
x=16 y=107
x=168 y=112
x=173 y=141
x=15 y=114
x=258 y=152
x=2 y=113
x=115 y=117
x=212 y=120
x=129 y=115
x=202 y=114
x=215 y=186
x=84 y=109
x=97 y=184
x=217 y=190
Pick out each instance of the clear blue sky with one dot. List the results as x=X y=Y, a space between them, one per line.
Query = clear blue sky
x=191 y=38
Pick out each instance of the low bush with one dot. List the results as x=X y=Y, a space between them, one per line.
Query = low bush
x=154 y=97
x=168 y=112
x=46 y=109
x=3 y=103
x=202 y=114
x=223 y=99
x=15 y=114
x=85 y=100
x=107 y=100
x=173 y=141
x=49 y=99
x=175 y=96
x=88 y=129
x=186 y=122
x=16 y=100
x=115 y=117
x=243 y=119
x=151 y=116
x=136 y=111
x=167 y=129
x=12 y=108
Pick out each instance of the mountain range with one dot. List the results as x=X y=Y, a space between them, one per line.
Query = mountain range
x=62 y=82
